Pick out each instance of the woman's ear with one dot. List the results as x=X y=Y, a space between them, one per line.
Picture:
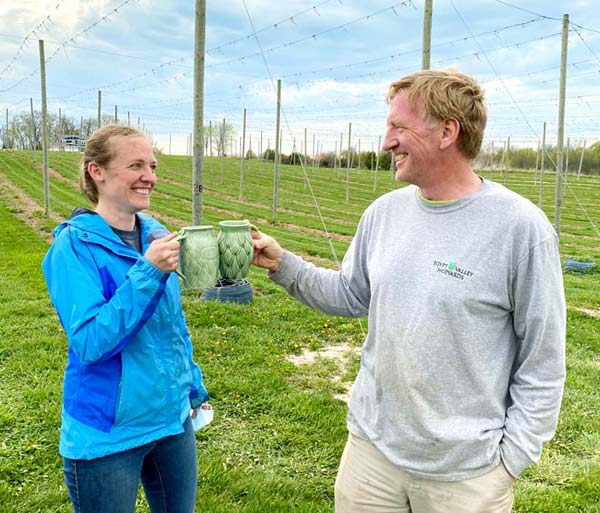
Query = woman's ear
x=95 y=171
x=450 y=133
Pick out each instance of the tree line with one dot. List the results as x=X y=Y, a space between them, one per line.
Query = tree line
x=24 y=132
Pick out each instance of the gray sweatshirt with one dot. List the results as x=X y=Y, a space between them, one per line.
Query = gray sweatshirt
x=464 y=361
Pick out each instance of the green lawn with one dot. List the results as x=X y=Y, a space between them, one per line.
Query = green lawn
x=278 y=431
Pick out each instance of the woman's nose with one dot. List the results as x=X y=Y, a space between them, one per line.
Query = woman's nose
x=149 y=175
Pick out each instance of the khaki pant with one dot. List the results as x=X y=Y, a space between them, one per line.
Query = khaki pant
x=367 y=482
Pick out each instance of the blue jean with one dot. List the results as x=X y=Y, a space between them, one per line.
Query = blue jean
x=167 y=469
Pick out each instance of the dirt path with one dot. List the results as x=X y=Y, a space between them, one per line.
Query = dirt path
x=26 y=209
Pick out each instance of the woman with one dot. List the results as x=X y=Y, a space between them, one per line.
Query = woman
x=130 y=380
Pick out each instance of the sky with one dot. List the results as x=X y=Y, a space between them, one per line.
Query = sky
x=335 y=59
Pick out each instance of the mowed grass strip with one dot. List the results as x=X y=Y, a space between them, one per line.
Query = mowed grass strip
x=298 y=225
x=32 y=358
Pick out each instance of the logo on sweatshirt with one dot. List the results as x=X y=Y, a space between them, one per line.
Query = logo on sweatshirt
x=452 y=269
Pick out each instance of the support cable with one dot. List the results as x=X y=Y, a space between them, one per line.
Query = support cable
x=519 y=108
x=301 y=157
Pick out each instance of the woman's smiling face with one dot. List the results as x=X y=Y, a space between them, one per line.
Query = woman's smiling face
x=126 y=183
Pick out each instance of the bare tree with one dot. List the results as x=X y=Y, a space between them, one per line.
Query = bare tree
x=222 y=132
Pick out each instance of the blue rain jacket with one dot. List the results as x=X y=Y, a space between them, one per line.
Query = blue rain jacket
x=130 y=378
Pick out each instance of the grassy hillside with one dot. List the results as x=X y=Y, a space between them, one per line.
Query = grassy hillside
x=279 y=430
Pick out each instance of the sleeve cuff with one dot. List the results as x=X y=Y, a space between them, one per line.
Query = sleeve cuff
x=288 y=269
x=143 y=265
x=514 y=459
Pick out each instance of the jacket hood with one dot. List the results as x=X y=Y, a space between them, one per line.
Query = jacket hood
x=89 y=221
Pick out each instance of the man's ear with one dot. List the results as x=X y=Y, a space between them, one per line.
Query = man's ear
x=450 y=133
x=95 y=171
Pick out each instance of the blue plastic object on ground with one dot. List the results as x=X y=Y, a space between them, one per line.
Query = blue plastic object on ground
x=234 y=291
x=578 y=267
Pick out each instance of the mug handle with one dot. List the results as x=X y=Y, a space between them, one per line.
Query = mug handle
x=251 y=226
x=180 y=236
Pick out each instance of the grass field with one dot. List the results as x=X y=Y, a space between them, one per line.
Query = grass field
x=279 y=430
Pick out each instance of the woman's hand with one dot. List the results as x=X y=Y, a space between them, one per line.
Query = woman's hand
x=163 y=253
x=194 y=411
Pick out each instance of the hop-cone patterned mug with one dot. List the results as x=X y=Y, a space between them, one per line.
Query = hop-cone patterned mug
x=235 y=248
x=198 y=257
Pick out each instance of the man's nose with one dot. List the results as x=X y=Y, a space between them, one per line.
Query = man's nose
x=389 y=140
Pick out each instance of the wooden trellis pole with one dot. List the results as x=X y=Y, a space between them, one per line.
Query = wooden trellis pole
x=44 y=130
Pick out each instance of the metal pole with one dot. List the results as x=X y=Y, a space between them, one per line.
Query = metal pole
x=581 y=160
x=260 y=151
x=566 y=168
x=243 y=148
x=33 y=131
x=341 y=146
x=313 y=154
x=335 y=156
x=377 y=164
x=537 y=161
x=276 y=170
x=198 y=156
x=99 y=123
x=116 y=116
x=305 y=167
x=210 y=137
x=348 y=162
x=427 y=15
x=542 y=165
x=222 y=139
x=561 y=120
x=44 y=130
x=506 y=162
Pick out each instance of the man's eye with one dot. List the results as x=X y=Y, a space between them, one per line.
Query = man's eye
x=135 y=165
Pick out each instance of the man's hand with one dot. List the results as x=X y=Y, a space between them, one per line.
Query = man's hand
x=164 y=253
x=267 y=251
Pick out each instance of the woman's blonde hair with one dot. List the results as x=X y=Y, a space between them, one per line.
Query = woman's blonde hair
x=447 y=94
x=98 y=150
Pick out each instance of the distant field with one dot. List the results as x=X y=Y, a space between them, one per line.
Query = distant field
x=278 y=431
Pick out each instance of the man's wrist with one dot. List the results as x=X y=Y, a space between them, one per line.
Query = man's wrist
x=277 y=264
x=274 y=267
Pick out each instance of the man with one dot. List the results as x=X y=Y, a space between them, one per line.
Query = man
x=463 y=367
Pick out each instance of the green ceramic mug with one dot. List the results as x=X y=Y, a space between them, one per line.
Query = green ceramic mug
x=235 y=248
x=198 y=257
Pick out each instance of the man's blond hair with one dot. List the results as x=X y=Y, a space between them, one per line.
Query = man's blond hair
x=443 y=95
